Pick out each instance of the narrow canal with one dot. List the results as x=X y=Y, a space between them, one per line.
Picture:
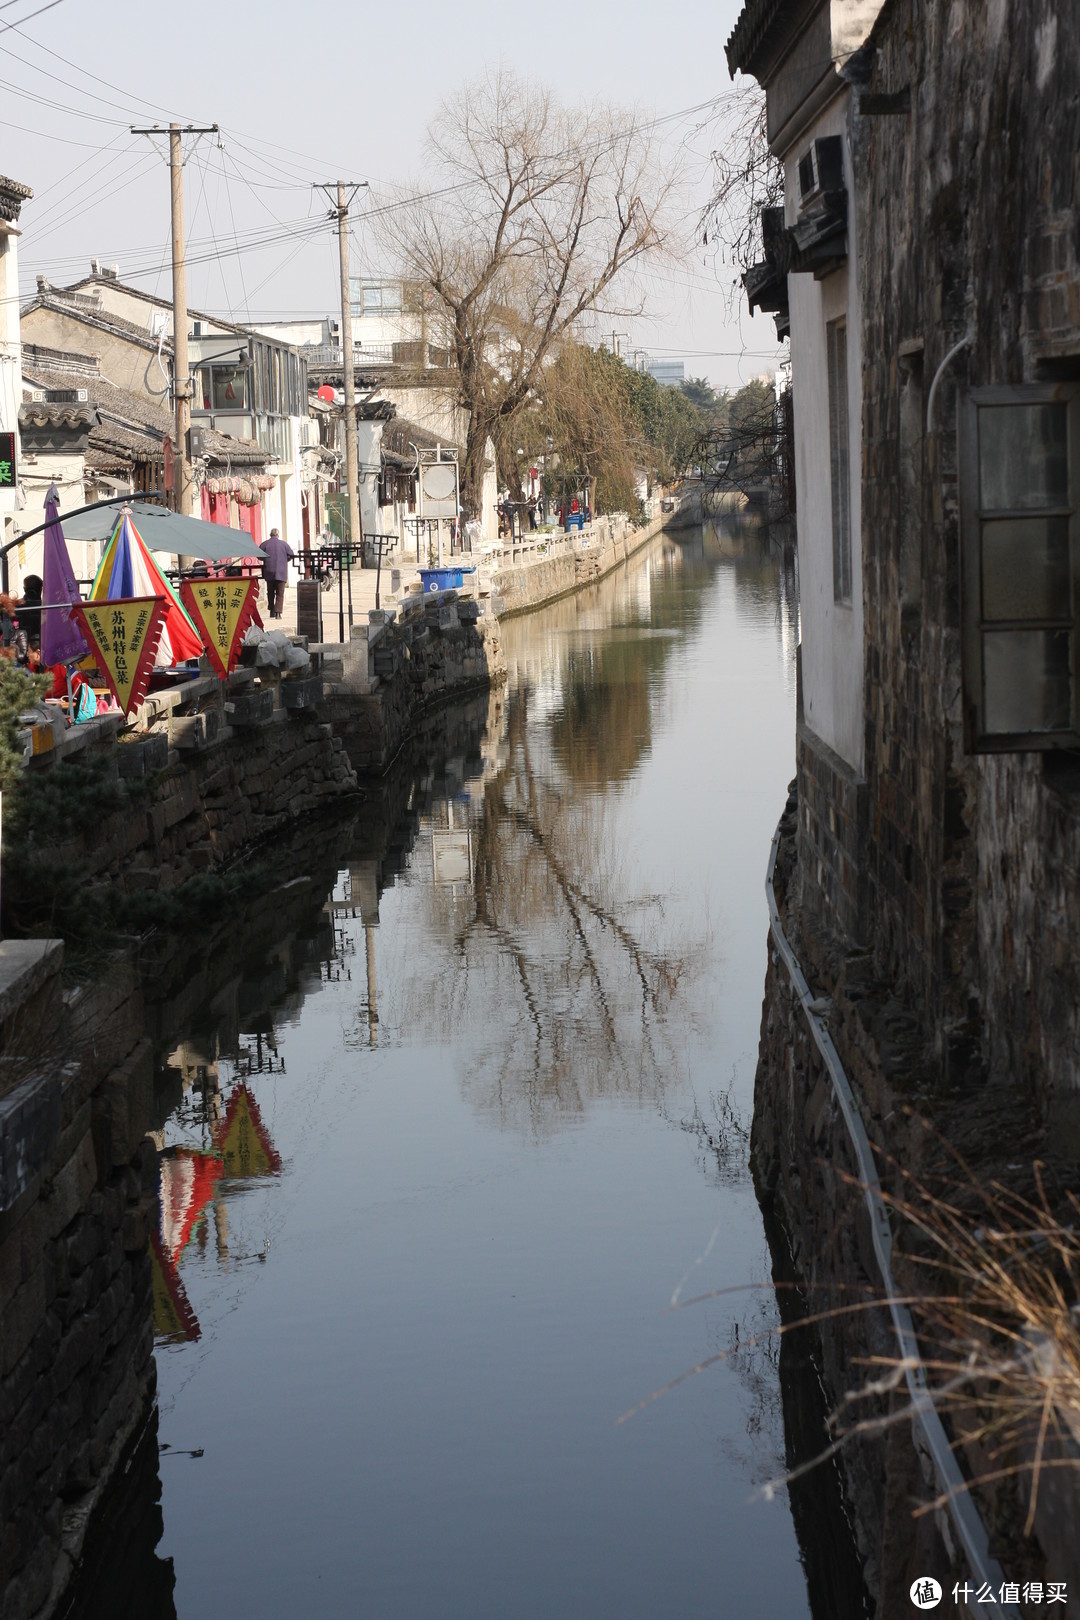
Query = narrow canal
x=467 y=1121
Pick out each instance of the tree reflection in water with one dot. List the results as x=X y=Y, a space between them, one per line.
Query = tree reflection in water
x=562 y=974
x=586 y=1019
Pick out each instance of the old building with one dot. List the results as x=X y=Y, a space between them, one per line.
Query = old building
x=12 y=197
x=398 y=364
x=928 y=263
x=94 y=440
x=248 y=387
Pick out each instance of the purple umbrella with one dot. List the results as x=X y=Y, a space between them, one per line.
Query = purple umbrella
x=61 y=640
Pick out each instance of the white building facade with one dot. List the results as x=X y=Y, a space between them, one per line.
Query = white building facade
x=808 y=280
x=12 y=197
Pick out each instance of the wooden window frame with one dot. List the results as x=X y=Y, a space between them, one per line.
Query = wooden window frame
x=977 y=740
x=839 y=463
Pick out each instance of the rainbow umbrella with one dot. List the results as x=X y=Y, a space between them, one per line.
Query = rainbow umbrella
x=126 y=570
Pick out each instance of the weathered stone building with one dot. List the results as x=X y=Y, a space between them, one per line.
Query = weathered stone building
x=928 y=261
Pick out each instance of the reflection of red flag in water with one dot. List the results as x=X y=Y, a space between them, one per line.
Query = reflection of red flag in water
x=174 y=1318
x=187 y=1185
x=188 y=1181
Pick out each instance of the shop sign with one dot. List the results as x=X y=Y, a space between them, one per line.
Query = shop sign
x=221 y=610
x=9 y=472
x=123 y=638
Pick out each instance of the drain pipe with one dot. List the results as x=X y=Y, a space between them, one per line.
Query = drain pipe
x=953 y=352
x=967 y=1523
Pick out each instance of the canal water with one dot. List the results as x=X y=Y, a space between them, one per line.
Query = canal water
x=463 y=1297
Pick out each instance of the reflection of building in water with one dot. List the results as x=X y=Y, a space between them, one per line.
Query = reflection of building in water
x=200 y=1085
x=356 y=895
x=258 y=1054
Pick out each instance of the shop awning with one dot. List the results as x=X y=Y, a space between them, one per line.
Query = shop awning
x=165 y=531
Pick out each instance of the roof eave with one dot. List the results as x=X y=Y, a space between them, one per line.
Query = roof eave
x=763 y=31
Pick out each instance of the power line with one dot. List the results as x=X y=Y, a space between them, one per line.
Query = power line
x=77 y=67
x=45 y=135
x=232 y=216
x=141 y=166
x=31 y=15
x=71 y=112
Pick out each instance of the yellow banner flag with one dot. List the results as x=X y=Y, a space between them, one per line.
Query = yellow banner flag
x=243 y=1140
x=221 y=610
x=123 y=637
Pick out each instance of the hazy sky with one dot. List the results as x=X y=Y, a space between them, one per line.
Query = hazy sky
x=307 y=93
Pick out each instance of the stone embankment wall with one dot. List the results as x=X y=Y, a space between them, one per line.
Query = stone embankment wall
x=77 y=1174
x=77 y=1205
x=203 y=812
x=805 y=1171
x=385 y=686
x=249 y=763
x=536 y=583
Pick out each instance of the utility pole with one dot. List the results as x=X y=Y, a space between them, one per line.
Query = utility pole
x=352 y=470
x=181 y=376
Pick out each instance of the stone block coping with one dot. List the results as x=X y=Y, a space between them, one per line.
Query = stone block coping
x=25 y=965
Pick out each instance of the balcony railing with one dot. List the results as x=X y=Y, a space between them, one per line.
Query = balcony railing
x=417 y=355
x=364 y=354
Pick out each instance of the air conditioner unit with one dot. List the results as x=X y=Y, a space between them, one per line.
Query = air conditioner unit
x=821 y=168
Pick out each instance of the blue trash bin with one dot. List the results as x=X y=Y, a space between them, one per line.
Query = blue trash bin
x=441 y=579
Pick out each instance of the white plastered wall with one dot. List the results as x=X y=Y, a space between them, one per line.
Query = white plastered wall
x=832 y=632
x=10 y=362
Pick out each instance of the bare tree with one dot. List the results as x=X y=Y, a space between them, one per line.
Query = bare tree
x=533 y=216
x=746 y=179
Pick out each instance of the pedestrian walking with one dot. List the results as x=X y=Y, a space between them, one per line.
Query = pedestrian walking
x=276 y=572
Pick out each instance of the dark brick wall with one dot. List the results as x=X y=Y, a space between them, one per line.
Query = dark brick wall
x=76 y=1336
x=832 y=832
x=805 y=1172
x=966 y=210
x=935 y=904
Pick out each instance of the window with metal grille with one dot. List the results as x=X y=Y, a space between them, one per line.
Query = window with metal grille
x=839 y=459
x=1020 y=556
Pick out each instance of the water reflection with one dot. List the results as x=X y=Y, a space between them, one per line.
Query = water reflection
x=196 y=1181
x=424 y=1326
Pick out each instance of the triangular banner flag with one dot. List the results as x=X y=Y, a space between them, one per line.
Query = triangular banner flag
x=123 y=638
x=174 y=1319
x=243 y=1140
x=222 y=610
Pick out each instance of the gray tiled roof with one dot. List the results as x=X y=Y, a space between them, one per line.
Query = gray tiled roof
x=137 y=425
x=754 y=22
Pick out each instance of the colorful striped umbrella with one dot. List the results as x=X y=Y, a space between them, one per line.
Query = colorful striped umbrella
x=128 y=570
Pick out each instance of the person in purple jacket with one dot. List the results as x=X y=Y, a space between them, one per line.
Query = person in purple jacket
x=276 y=572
